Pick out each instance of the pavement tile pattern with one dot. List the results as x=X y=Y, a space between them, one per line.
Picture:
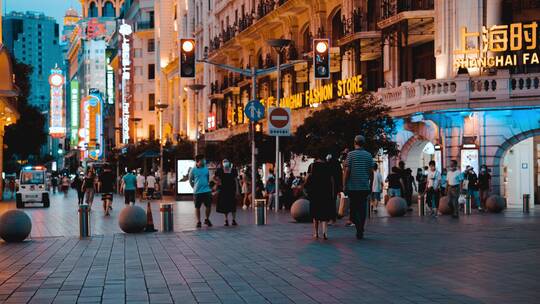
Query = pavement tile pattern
x=492 y=258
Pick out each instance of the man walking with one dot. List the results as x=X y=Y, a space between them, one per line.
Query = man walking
x=356 y=175
x=129 y=185
x=150 y=186
x=453 y=180
x=141 y=180
x=199 y=179
x=433 y=185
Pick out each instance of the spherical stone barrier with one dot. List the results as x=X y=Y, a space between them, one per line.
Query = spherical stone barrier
x=15 y=226
x=132 y=219
x=444 y=205
x=396 y=206
x=300 y=210
x=495 y=203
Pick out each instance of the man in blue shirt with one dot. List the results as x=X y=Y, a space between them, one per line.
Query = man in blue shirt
x=129 y=185
x=199 y=179
x=356 y=180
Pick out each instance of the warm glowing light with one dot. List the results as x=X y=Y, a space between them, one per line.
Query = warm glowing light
x=188 y=46
x=321 y=47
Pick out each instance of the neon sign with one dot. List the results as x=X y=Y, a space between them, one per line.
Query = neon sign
x=74 y=111
x=57 y=127
x=91 y=139
x=125 y=30
x=491 y=46
x=110 y=84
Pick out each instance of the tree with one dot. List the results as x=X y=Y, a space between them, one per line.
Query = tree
x=332 y=129
x=25 y=138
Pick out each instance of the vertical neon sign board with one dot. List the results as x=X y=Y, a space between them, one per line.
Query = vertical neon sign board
x=57 y=128
x=125 y=30
x=74 y=123
x=90 y=135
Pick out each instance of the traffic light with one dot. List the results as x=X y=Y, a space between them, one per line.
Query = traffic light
x=187 y=58
x=321 y=58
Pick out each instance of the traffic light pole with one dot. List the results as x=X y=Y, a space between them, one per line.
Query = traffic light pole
x=277 y=169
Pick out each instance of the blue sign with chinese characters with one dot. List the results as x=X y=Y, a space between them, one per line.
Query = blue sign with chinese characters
x=254 y=110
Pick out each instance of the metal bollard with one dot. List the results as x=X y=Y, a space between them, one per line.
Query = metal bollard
x=467 y=208
x=369 y=210
x=260 y=212
x=421 y=205
x=84 y=221
x=526 y=205
x=167 y=223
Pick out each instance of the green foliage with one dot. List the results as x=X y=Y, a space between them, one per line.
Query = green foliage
x=332 y=129
x=25 y=138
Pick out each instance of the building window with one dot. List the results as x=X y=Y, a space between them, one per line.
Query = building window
x=93 y=10
x=151 y=102
x=151 y=132
x=151 y=71
x=108 y=10
x=151 y=45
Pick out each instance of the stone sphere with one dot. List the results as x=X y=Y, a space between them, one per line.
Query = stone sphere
x=15 y=226
x=396 y=206
x=495 y=203
x=300 y=210
x=444 y=205
x=132 y=219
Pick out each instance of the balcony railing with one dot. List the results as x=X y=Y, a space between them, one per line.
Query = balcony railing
x=462 y=89
x=393 y=7
x=145 y=25
x=264 y=7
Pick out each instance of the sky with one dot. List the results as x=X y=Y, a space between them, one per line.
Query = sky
x=53 y=8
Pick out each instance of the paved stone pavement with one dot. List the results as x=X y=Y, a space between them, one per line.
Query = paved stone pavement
x=490 y=258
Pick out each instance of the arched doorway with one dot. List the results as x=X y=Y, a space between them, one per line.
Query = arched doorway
x=93 y=10
x=108 y=9
x=419 y=153
x=518 y=169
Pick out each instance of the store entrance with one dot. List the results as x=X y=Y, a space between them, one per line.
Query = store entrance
x=520 y=172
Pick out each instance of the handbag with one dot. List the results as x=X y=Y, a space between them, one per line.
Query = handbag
x=343 y=205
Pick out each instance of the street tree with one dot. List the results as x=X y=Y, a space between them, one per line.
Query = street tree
x=25 y=138
x=333 y=128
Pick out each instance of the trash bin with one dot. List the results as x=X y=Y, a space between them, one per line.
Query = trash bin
x=526 y=205
x=84 y=221
x=167 y=224
x=260 y=211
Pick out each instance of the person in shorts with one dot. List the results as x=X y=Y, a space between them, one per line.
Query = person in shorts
x=141 y=181
x=199 y=179
x=129 y=185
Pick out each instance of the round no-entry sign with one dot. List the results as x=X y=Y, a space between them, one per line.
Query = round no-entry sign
x=279 y=117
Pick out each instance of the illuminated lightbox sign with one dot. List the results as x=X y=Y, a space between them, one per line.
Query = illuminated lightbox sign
x=497 y=46
x=183 y=168
x=74 y=117
x=90 y=134
x=316 y=96
x=57 y=128
x=125 y=30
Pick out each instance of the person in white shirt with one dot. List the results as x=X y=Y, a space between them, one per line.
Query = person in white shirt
x=376 y=188
x=141 y=180
x=433 y=186
x=150 y=185
x=454 y=178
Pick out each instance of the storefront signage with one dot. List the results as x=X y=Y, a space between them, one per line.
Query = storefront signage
x=110 y=84
x=57 y=128
x=74 y=117
x=91 y=138
x=316 y=96
x=125 y=30
x=496 y=46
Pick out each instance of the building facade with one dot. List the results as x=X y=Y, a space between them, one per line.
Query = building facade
x=34 y=39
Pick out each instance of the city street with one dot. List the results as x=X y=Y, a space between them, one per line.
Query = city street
x=489 y=258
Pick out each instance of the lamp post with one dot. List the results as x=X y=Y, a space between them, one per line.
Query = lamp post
x=278 y=45
x=161 y=107
x=135 y=121
x=196 y=88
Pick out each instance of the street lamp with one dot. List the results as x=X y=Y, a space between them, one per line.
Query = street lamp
x=196 y=88
x=135 y=121
x=161 y=107
x=278 y=45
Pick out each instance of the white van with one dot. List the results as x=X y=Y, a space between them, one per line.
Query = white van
x=33 y=187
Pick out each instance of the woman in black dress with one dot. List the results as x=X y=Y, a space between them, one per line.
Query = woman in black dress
x=319 y=186
x=226 y=180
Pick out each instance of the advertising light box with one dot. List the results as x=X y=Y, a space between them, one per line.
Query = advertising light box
x=183 y=167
